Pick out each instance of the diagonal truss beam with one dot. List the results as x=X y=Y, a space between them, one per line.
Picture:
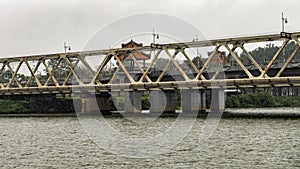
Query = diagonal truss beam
x=166 y=67
x=207 y=62
x=236 y=58
x=139 y=66
x=70 y=73
x=87 y=65
x=100 y=68
x=14 y=75
x=1 y=73
x=51 y=72
x=33 y=74
x=70 y=66
x=34 y=71
x=114 y=75
x=274 y=57
x=191 y=63
x=124 y=68
x=221 y=65
x=291 y=57
x=176 y=64
x=252 y=59
x=150 y=65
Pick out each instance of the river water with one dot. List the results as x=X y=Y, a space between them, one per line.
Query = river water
x=61 y=142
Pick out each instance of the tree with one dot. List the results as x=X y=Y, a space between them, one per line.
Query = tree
x=198 y=62
x=5 y=76
x=265 y=54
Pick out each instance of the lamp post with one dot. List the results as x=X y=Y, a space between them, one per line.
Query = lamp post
x=66 y=47
x=198 y=54
x=155 y=36
x=283 y=21
x=195 y=40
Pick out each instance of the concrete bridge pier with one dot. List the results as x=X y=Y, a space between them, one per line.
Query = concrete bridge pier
x=203 y=101
x=217 y=104
x=157 y=101
x=93 y=103
x=162 y=101
x=193 y=101
x=133 y=102
x=171 y=106
x=104 y=104
x=88 y=104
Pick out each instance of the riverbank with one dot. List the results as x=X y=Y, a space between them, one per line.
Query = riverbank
x=261 y=100
x=37 y=105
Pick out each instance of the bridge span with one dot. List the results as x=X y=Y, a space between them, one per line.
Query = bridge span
x=90 y=72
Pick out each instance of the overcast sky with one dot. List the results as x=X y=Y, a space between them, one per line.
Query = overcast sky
x=42 y=26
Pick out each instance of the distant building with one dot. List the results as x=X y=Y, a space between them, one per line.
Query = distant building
x=128 y=61
x=139 y=56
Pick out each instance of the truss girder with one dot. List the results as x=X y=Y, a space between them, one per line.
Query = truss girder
x=65 y=71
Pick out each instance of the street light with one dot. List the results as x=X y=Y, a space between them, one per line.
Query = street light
x=198 y=57
x=283 y=21
x=66 y=47
x=195 y=40
x=155 y=35
x=284 y=34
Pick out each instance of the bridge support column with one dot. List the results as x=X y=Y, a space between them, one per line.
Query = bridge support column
x=158 y=101
x=91 y=103
x=203 y=99
x=193 y=101
x=104 y=105
x=162 y=101
x=88 y=104
x=217 y=104
x=133 y=102
x=171 y=106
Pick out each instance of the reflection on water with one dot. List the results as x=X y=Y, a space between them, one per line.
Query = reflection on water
x=237 y=142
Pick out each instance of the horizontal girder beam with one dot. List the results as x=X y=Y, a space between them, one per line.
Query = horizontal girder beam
x=203 y=84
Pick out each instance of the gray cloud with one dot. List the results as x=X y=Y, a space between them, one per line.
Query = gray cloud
x=34 y=26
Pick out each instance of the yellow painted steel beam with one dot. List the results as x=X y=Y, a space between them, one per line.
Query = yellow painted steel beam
x=203 y=84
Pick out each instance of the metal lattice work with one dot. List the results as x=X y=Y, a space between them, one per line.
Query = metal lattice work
x=64 y=72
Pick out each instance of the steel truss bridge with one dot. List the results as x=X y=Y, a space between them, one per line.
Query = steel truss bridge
x=89 y=70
